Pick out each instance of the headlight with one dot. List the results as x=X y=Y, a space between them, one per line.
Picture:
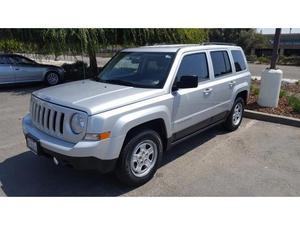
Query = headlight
x=77 y=123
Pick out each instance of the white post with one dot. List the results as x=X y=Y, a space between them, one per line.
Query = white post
x=270 y=88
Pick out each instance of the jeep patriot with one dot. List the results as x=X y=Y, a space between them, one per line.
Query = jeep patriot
x=143 y=101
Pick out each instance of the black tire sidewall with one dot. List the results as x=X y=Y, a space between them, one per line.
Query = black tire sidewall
x=46 y=78
x=123 y=170
x=229 y=123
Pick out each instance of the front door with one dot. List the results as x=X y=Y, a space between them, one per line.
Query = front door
x=6 y=71
x=26 y=70
x=192 y=107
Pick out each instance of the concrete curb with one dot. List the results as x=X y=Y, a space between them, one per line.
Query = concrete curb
x=272 y=118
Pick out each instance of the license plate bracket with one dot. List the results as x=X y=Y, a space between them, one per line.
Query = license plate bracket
x=33 y=144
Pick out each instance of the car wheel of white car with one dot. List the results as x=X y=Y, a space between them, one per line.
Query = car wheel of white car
x=235 y=117
x=140 y=158
x=52 y=78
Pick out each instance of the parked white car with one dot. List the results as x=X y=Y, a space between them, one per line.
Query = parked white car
x=145 y=100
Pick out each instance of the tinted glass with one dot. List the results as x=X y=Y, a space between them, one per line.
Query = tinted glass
x=221 y=63
x=3 y=60
x=239 y=61
x=21 y=60
x=195 y=64
x=138 y=69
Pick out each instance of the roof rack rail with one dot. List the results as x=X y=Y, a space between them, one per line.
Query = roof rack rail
x=217 y=43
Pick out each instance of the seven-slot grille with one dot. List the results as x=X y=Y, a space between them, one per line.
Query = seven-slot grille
x=47 y=118
x=54 y=120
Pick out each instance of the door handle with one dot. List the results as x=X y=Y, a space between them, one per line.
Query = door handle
x=207 y=91
x=232 y=83
x=17 y=69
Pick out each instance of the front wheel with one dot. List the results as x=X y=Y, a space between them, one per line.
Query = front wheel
x=235 y=117
x=140 y=158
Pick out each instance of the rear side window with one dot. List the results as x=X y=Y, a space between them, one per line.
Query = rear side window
x=239 y=61
x=221 y=63
x=194 y=64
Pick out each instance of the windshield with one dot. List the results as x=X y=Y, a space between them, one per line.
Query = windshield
x=138 y=69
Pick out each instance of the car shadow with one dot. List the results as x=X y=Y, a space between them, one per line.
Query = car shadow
x=28 y=175
x=21 y=89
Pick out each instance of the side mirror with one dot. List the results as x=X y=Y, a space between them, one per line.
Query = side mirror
x=189 y=81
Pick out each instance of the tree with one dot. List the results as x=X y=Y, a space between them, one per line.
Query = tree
x=90 y=41
x=246 y=38
x=275 y=48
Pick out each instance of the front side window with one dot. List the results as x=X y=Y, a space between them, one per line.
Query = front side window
x=239 y=61
x=3 y=60
x=138 y=69
x=194 y=64
x=221 y=63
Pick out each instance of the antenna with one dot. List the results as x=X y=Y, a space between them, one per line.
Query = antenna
x=82 y=58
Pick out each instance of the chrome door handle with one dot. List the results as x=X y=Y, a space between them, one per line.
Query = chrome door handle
x=232 y=83
x=207 y=91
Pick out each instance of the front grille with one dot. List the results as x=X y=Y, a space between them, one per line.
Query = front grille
x=47 y=118
x=54 y=120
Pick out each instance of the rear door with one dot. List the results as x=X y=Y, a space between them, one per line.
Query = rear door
x=6 y=71
x=223 y=81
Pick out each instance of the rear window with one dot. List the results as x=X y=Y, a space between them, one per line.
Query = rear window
x=221 y=63
x=239 y=61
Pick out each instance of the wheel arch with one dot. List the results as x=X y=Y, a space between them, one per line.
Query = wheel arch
x=157 y=125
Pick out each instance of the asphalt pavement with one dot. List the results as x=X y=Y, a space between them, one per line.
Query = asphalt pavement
x=259 y=159
x=289 y=72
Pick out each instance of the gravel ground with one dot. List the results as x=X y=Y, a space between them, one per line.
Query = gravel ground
x=259 y=159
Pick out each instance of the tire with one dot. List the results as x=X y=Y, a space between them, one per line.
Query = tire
x=130 y=165
x=235 y=117
x=52 y=78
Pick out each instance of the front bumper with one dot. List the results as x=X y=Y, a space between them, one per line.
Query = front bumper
x=82 y=155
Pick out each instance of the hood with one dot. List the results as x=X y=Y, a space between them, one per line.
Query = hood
x=95 y=97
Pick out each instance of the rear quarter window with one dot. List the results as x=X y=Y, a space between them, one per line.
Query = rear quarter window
x=221 y=63
x=239 y=60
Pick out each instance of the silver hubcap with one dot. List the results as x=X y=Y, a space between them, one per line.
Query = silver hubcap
x=237 y=113
x=143 y=158
x=52 y=78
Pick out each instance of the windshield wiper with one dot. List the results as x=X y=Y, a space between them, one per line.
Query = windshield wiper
x=123 y=82
x=118 y=82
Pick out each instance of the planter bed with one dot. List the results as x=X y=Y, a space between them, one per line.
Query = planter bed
x=289 y=100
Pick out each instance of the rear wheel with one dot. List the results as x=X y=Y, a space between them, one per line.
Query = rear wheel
x=52 y=78
x=140 y=158
x=235 y=117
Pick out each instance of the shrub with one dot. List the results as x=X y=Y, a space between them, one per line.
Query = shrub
x=295 y=103
x=254 y=89
x=251 y=58
x=297 y=82
x=282 y=93
x=263 y=59
x=289 y=60
x=76 y=71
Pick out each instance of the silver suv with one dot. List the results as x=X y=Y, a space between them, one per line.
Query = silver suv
x=144 y=101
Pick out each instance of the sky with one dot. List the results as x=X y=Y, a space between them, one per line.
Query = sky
x=272 y=30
